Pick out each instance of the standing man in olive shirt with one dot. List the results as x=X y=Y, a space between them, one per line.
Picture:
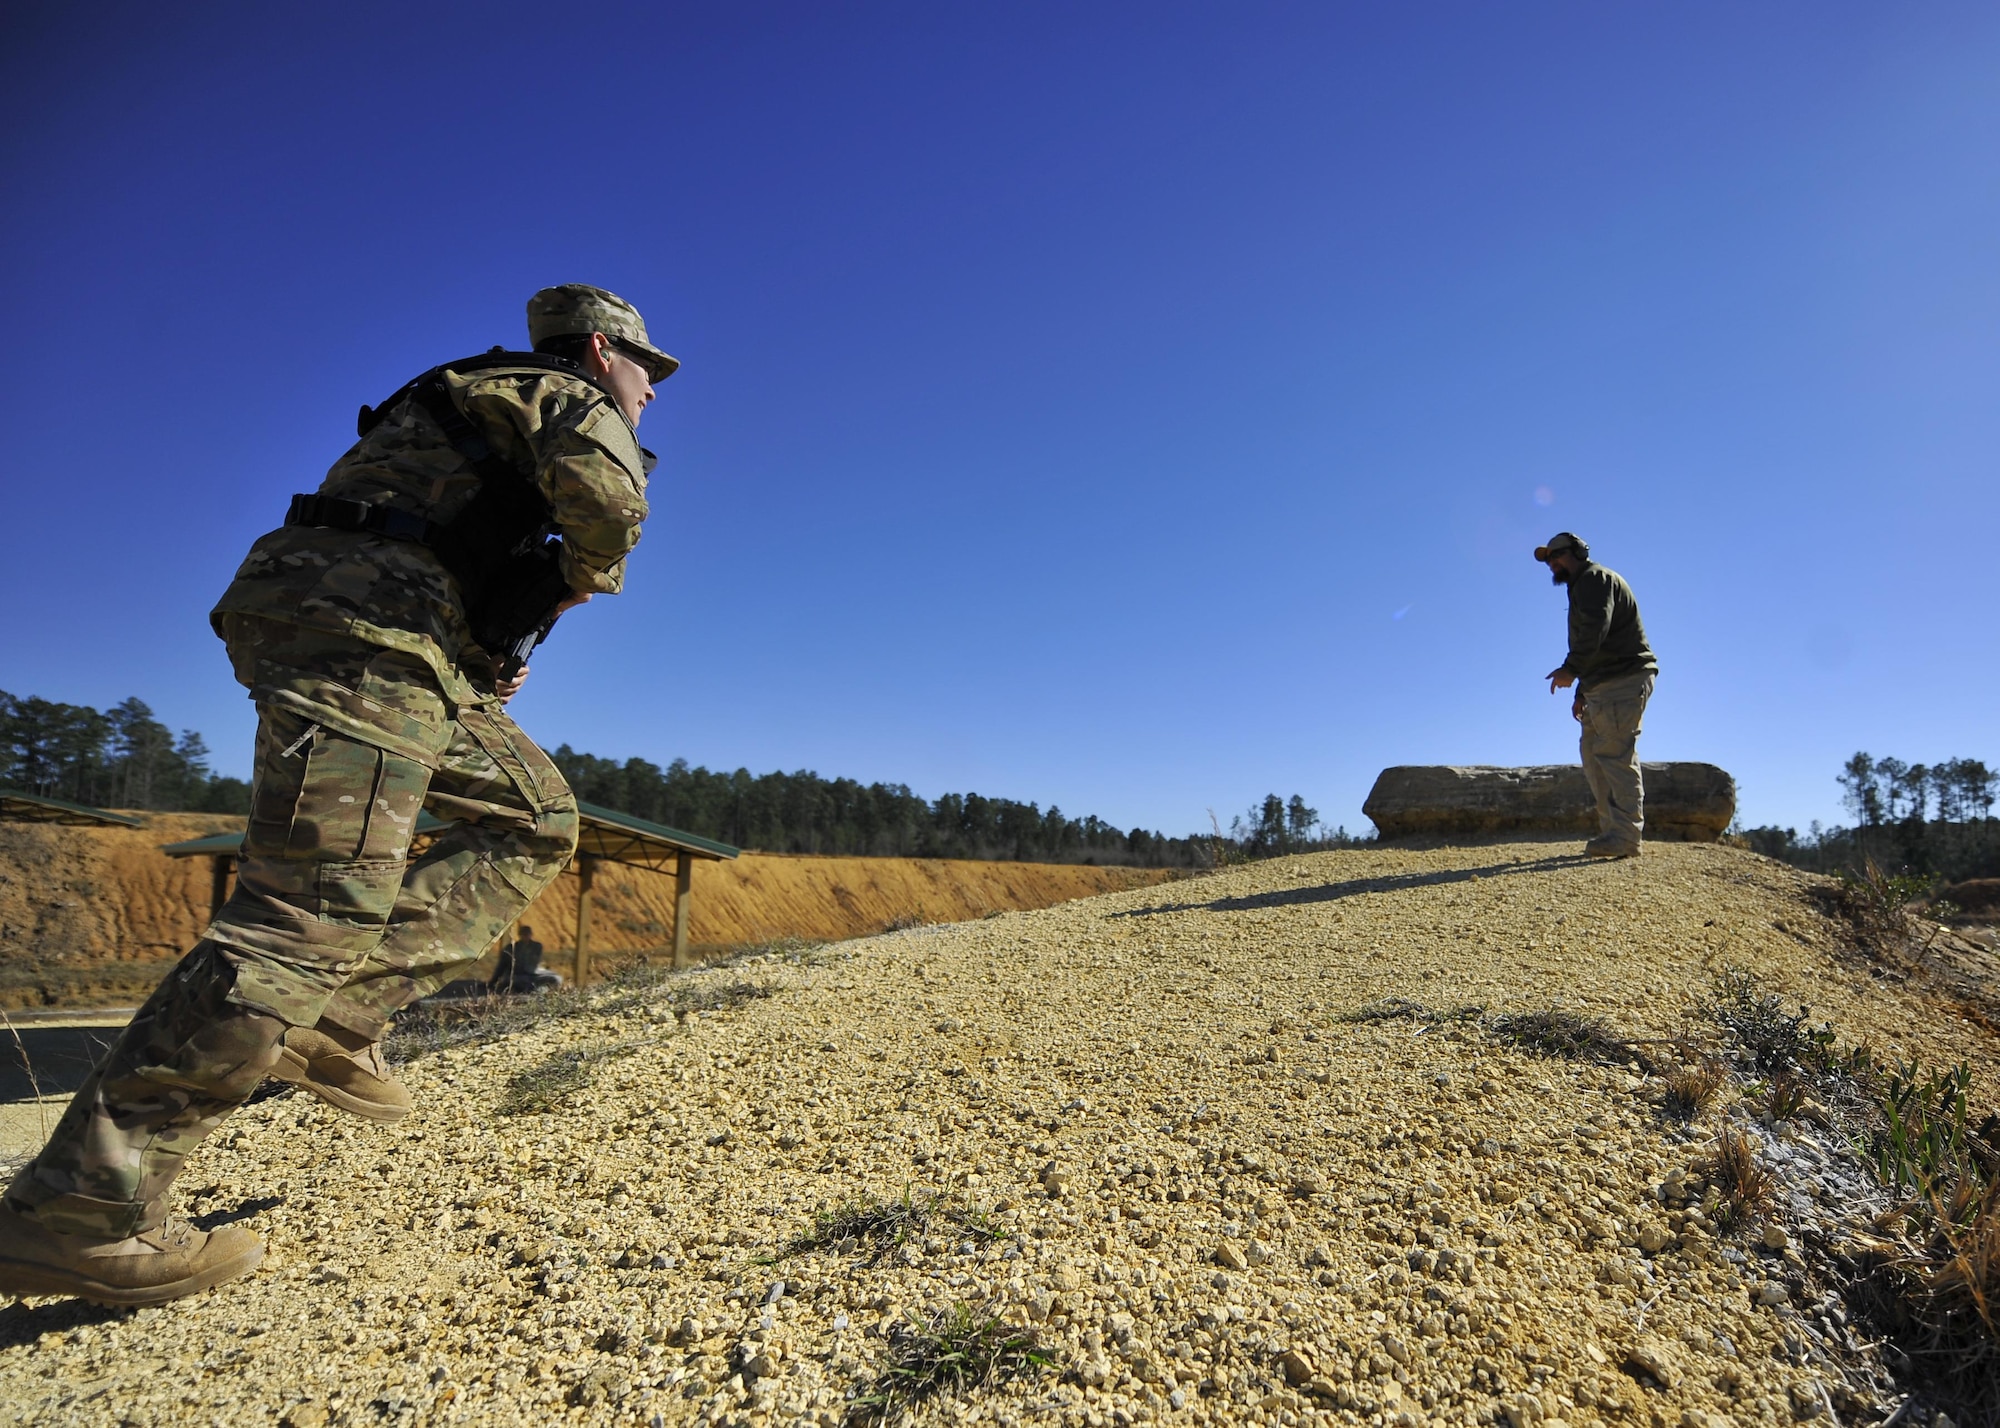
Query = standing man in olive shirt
x=1612 y=668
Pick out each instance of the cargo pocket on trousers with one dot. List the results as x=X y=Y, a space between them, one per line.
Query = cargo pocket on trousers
x=324 y=796
x=278 y=782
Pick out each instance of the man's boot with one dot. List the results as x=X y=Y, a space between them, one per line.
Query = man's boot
x=343 y=1069
x=1604 y=845
x=166 y=1262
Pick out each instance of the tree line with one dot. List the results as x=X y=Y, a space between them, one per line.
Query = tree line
x=803 y=812
x=123 y=757
x=120 y=757
x=1932 y=819
x=1278 y=826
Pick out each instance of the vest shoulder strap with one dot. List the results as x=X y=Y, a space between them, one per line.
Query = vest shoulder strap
x=492 y=359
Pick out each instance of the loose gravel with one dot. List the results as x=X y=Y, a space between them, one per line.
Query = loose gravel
x=1160 y=1141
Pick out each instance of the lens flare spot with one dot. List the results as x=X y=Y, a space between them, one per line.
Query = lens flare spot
x=1400 y=613
x=1544 y=496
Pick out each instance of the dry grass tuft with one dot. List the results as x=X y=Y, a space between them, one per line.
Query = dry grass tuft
x=1939 y=1288
x=1744 y=1187
x=555 y=1079
x=953 y=1351
x=1567 y=1034
x=1942 y=1287
x=432 y=1026
x=1692 y=1083
x=876 y=1227
x=1785 y=1096
x=1403 y=1009
x=1877 y=905
x=438 y=1024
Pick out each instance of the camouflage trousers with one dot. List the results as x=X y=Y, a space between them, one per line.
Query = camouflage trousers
x=1611 y=715
x=331 y=921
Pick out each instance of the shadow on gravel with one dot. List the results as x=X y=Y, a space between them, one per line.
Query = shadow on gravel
x=216 y=1219
x=1334 y=892
x=22 y=1327
x=50 y=1060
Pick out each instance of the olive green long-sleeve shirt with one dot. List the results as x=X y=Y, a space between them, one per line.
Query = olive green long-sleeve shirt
x=583 y=454
x=1607 y=640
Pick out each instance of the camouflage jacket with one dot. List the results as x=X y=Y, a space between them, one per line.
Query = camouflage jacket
x=585 y=458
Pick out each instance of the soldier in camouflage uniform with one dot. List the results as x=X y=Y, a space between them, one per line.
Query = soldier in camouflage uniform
x=374 y=702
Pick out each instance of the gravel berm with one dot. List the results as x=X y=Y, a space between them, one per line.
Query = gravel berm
x=1180 y=1135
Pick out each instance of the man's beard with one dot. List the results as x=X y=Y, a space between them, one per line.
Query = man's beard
x=1558 y=577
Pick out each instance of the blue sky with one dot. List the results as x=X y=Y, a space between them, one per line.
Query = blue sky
x=1135 y=408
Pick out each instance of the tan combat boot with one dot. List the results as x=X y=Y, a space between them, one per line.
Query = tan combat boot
x=347 y=1072
x=1606 y=846
x=163 y=1263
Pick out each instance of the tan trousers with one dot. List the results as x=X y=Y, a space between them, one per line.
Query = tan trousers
x=1613 y=709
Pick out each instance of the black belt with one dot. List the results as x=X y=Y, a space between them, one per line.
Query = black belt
x=359 y=516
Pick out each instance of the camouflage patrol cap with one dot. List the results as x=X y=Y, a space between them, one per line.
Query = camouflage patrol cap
x=572 y=309
x=1560 y=542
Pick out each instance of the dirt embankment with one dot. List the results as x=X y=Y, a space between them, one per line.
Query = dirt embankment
x=762 y=897
x=94 y=916
x=1218 y=1183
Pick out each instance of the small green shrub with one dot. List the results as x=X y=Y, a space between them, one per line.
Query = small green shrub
x=1779 y=1042
x=1925 y=1145
x=1877 y=905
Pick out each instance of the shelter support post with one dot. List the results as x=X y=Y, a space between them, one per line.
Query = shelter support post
x=586 y=874
x=683 y=895
x=218 y=886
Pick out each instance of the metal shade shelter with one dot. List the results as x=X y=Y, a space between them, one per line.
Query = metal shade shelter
x=19 y=807
x=606 y=836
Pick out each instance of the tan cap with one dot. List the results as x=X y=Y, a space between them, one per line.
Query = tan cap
x=1560 y=542
x=571 y=309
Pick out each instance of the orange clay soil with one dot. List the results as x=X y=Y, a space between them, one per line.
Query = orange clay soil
x=95 y=916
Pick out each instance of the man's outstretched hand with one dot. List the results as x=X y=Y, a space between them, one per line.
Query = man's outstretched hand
x=1560 y=678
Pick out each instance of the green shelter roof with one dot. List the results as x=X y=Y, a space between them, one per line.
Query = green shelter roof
x=230 y=843
x=615 y=837
x=619 y=837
